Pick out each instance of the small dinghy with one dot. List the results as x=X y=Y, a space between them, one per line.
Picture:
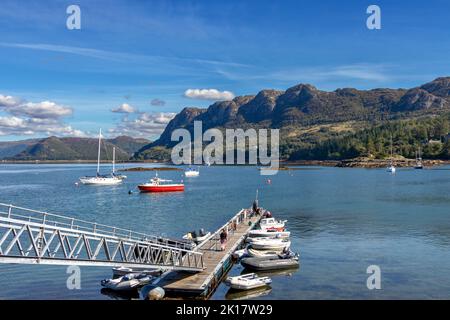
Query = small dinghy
x=248 y=282
x=239 y=254
x=197 y=237
x=267 y=234
x=191 y=173
x=272 y=224
x=270 y=244
x=126 y=283
x=122 y=271
x=263 y=253
x=270 y=263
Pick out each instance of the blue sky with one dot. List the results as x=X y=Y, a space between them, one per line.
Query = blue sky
x=130 y=53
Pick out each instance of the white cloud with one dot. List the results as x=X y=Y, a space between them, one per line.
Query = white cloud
x=117 y=56
x=209 y=94
x=31 y=126
x=44 y=109
x=30 y=118
x=352 y=72
x=11 y=122
x=8 y=101
x=146 y=125
x=124 y=108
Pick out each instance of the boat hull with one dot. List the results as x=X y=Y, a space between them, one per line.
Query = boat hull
x=270 y=245
x=100 y=181
x=264 y=264
x=191 y=174
x=161 y=188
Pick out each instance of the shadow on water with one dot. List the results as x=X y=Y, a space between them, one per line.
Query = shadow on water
x=233 y=294
x=273 y=273
x=120 y=295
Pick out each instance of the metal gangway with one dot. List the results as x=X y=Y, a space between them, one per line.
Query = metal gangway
x=35 y=237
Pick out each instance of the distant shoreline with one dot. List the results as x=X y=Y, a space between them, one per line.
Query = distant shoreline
x=348 y=163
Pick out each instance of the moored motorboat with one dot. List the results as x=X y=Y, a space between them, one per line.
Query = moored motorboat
x=267 y=234
x=271 y=224
x=248 y=282
x=239 y=254
x=263 y=253
x=122 y=271
x=160 y=185
x=197 y=236
x=270 y=244
x=127 y=282
x=191 y=173
x=270 y=263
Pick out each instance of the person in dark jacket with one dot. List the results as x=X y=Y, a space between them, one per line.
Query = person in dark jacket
x=223 y=239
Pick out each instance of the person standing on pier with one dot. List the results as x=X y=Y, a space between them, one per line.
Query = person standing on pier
x=223 y=239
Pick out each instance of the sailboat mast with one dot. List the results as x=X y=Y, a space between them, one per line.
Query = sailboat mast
x=392 y=149
x=114 y=160
x=98 y=156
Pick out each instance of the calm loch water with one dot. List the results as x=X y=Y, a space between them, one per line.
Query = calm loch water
x=341 y=221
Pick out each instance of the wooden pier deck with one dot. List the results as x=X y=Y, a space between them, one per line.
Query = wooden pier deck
x=217 y=263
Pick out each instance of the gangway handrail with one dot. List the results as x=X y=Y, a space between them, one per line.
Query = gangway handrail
x=38 y=237
x=83 y=225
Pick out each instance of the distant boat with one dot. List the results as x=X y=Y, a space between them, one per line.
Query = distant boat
x=191 y=173
x=160 y=185
x=419 y=164
x=391 y=168
x=99 y=179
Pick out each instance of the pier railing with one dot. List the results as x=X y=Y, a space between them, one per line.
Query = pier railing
x=213 y=241
x=56 y=220
x=31 y=236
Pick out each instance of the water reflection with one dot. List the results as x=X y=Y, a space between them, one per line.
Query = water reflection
x=249 y=294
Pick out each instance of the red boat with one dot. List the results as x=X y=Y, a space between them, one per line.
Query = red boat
x=160 y=185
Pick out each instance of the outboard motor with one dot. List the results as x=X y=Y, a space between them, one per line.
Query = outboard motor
x=201 y=232
x=194 y=234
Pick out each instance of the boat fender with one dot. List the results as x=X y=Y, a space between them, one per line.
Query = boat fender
x=152 y=292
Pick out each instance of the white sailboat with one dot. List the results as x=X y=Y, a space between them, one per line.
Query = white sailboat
x=391 y=168
x=419 y=164
x=99 y=179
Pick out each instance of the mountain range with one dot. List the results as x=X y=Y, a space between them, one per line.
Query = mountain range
x=54 y=148
x=314 y=124
x=307 y=116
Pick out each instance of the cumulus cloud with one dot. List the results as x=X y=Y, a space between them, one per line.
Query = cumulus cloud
x=208 y=94
x=44 y=110
x=158 y=102
x=8 y=101
x=31 y=126
x=124 y=108
x=32 y=118
x=145 y=124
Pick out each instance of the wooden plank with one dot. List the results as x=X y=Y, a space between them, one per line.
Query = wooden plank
x=198 y=282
